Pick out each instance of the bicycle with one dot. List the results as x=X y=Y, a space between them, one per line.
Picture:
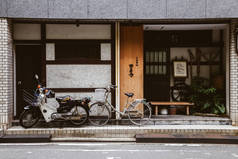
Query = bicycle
x=138 y=111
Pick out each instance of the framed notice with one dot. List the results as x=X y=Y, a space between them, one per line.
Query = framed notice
x=180 y=69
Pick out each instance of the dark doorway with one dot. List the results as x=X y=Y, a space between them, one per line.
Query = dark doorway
x=156 y=74
x=28 y=63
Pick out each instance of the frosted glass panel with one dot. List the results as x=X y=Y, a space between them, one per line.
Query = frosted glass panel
x=160 y=69
x=156 y=56
x=164 y=69
x=50 y=51
x=152 y=56
x=78 y=76
x=27 y=32
x=105 y=51
x=147 y=69
x=147 y=58
x=160 y=56
x=164 y=56
x=71 y=31
x=152 y=69
x=156 y=70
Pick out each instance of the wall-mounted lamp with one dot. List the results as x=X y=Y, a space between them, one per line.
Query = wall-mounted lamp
x=77 y=23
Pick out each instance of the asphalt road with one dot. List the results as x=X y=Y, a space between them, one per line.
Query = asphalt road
x=117 y=151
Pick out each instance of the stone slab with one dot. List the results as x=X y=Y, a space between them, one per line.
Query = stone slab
x=68 y=9
x=107 y=9
x=186 y=9
x=146 y=9
x=28 y=8
x=222 y=9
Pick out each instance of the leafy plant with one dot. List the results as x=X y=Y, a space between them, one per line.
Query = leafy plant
x=206 y=98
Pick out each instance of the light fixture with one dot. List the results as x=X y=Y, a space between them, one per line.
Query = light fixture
x=77 y=23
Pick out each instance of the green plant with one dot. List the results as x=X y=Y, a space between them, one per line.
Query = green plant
x=206 y=98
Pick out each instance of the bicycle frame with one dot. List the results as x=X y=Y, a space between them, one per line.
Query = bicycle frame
x=127 y=105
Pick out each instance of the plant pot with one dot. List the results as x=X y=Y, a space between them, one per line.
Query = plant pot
x=172 y=111
x=164 y=111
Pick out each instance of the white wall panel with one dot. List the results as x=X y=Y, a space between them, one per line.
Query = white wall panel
x=105 y=51
x=80 y=95
x=50 y=51
x=71 y=31
x=27 y=32
x=78 y=76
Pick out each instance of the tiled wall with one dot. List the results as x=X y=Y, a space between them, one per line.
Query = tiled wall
x=233 y=74
x=6 y=74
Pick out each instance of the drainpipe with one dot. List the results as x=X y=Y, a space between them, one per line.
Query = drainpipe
x=117 y=47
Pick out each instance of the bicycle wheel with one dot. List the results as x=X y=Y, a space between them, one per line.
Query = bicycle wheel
x=29 y=118
x=99 y=114
x=138 y=115
x=179 y=92
x=79 y=115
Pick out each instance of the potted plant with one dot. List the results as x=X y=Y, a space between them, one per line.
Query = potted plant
x=206 y=98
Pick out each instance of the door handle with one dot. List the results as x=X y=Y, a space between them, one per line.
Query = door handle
x=18 y=82
x=131 y=70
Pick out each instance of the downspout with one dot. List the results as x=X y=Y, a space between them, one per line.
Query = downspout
x=117 y=47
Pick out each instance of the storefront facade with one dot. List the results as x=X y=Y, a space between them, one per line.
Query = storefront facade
x=82 y=45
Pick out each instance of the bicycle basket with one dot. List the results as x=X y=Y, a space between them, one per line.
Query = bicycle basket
x=29 y=97
x=99 y=95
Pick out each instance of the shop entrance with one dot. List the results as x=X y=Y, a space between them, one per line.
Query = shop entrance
x=28 y=63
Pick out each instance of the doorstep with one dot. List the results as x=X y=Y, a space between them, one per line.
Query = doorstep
x=123 y=131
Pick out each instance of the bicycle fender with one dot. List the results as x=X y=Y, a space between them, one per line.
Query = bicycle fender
x=28 y=107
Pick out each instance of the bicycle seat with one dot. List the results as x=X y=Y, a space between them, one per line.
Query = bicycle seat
x=129 y=94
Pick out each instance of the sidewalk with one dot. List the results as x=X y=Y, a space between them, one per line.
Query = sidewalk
x=121 y=132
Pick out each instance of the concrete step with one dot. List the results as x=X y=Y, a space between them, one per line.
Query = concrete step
x=155 y=120
x=125 y=131
x=198 y=138
x=25 y=138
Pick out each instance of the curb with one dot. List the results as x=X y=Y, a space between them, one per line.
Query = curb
x=205 y=139
x=82 y=139
x=21 y=138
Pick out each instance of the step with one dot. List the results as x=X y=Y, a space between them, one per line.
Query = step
x=125 y=131
x=25 y=138
x=1 y=132
x=155 y=120
x=198 y=138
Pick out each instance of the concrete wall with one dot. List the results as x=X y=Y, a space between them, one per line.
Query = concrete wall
x=119 y=9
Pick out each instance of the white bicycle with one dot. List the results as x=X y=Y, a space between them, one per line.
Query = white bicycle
x=138 y=111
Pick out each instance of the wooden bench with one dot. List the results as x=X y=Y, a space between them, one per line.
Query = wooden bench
x=185 y=104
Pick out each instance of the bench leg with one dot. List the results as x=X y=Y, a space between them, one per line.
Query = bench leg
x=156 y=110
x=187 y=110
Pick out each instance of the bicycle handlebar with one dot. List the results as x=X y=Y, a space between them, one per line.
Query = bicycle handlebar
x=113 y=86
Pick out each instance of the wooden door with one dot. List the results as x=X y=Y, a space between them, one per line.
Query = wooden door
x=131 y=52
x=157 y=74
